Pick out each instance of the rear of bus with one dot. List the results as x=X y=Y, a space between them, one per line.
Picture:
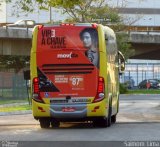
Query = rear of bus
x=65 y=74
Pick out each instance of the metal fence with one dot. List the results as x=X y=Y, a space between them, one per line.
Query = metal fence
x=138 y=72
x=12 y=86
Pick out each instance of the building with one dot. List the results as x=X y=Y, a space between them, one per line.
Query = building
x=139 y=12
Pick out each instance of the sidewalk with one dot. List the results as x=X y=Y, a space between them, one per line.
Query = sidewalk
x=22 y=119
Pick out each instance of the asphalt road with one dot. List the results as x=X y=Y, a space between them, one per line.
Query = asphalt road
x=144 y=97
x=138 y=120
x=139 y=108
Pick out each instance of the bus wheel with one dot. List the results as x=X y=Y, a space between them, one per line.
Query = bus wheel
x=44 y=122
x=101 y=122
x=55 y=123
x=113 y=118
x=109 y=117
x=105 y=121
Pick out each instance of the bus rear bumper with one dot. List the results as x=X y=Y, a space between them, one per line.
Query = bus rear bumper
x=68 y=110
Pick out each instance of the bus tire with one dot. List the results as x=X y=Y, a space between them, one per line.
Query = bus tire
x=118 y=105
x=55 y=123
x=104 y=121
x=109 y=116
x=114 y=118
x=44 y=122
x=101 y=122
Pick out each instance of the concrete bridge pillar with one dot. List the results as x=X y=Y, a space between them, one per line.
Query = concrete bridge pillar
x=15 y=46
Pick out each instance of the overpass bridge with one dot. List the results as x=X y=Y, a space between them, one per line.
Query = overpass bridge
x=15 y=41
x=145 y=41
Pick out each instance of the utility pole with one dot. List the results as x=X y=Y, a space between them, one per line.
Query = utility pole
x=50 y=14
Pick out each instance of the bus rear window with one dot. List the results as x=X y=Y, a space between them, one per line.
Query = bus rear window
x=70 y=37
x=65 y=38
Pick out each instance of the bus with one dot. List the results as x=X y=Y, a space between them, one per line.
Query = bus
x=74 y=70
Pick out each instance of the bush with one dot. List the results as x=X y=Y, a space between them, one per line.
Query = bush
x=122 y=88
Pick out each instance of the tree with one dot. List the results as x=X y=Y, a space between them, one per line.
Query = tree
x=124 y=46
x=84 y=11
x=77 y=10
x=15 y=62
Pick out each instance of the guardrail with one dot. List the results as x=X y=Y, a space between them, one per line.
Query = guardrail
x=138 y=29
x=147 y=29
x=142 y=29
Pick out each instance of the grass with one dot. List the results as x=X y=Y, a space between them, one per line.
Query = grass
x=23 y=104
x=15 y=108
x=6 y=92
x=6 y=101
x=144 y=91
x=14 y=92
x=8 y=105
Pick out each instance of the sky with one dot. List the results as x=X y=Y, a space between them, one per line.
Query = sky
x=44 y=16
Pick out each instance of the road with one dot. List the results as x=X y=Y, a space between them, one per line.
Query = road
x=139 y=108
x=138 y=120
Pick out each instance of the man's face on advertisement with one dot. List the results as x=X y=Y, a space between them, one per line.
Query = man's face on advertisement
x=87 y=39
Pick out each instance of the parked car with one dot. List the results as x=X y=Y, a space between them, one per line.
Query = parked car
x=22 y=23
x=129 y=82
x=149 y=83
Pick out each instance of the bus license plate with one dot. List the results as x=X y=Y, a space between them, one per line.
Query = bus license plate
x=68 y=109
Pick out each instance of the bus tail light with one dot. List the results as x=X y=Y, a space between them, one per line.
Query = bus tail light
x=67 y=24
x=94 y=25
x=36 y=91
x=100 y=90
x=40 y=26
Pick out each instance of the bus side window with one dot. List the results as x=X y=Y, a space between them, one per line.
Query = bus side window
x=121 y=62
x=107 y=48
x=111 y=48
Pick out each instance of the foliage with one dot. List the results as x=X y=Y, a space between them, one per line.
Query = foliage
x=122 y=88
x=15 y=108
x=144 y=91
x=13 y=61
x=123 y=45
x=9 y=101
x=77 y=10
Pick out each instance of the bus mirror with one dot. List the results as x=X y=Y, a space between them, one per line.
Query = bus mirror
x=26 y=74
x=106 y=37
x=121 y=62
